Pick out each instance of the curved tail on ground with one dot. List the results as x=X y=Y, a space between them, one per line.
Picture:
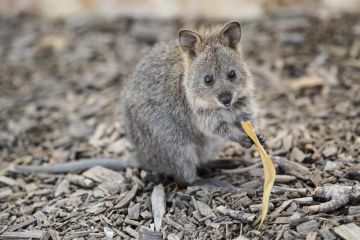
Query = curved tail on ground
x=76 y=166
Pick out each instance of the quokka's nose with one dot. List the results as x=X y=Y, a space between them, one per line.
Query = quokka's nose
x=225 y=99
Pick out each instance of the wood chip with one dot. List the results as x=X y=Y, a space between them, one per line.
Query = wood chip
x=304 y=200
x=172 y=236
x=79 y=234
x=306 y=82
x=80 y=180
x=35 y=234
x=348 y=231
x=296 y=219
x=110 y=187
x=284 y=178
x=173 y=223
x=281 y=208
x=293 y=168
x=121 y=234
x=327 y=235
x=5 y=192
x=329 y=150
x=40 y=216
x=146 y=214
x=127 y=198
x=205 y=210
x=316 y=177
x=21 y=225
x=241 y=237
x=158 y=204
x=241 y=216
x=96 y=208
x=308 y=226
x=354 y=210
x=330 y=166
x=54 y=234
x=132 y=222
x=297 y=155
x=62 y=187
x=258 y=207
x=101 y=174
x=134 y=211
x=150 y=235
x=131 y=232
x=287 y=142
x=109 y=234
x=311 y=236
x=8 y=181
x=280 y=189
x=119 y=146
x=282 y=220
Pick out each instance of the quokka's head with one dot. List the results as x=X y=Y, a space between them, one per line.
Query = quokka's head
x=215 y=74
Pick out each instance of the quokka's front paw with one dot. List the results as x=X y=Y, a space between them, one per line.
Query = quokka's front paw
x=247 y=142
x=241 y=118
x=261 y=138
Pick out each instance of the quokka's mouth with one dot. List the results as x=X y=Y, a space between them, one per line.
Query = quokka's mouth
x=227 y=105
x=225 y=99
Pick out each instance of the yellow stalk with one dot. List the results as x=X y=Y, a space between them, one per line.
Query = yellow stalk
x=269 y=169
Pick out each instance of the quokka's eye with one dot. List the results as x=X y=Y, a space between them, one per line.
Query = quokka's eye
x=232 y=75
x=209 y=80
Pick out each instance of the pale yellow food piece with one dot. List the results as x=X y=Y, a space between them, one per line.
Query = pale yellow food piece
x=269 y=169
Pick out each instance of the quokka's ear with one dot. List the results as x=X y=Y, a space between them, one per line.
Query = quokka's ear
x=232 y=33
x=188 y=40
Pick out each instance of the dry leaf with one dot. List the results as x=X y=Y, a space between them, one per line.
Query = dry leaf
x=55 y=42
x=269 y=169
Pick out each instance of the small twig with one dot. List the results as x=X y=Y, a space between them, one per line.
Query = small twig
x=304 y=200
x=174 y=224
x=241 y=216
x=336 y=196
x=284 y=178
x=241 y=169
x=258 y=207
x=280 y=233
x=332 y=221
x=292 y=168
x=280 y=189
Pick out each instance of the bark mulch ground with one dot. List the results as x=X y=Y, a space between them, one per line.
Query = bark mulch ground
x=59 y=88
